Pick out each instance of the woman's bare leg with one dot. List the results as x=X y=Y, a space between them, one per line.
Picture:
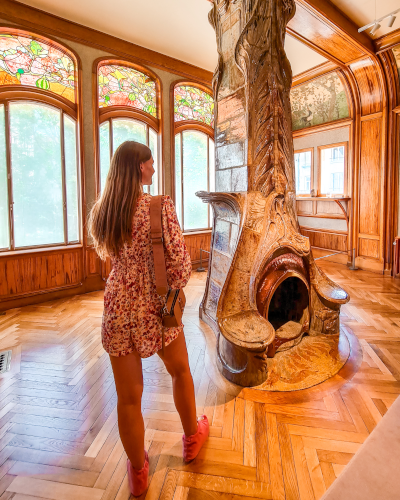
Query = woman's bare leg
x=176 y=362
x=129 y=383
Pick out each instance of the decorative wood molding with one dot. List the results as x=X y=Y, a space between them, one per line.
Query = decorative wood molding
x=322 y=128
x=312 y=73
x=36 y=19
x=387 y=41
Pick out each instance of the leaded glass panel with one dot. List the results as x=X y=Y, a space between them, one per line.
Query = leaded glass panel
x=25 y=60
x=191 y=103
x=124 y=86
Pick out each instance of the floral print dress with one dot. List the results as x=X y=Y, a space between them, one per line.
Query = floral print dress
x=131 y=318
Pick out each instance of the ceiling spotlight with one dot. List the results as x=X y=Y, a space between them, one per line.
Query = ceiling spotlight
x=391 y=20
x=375 y=28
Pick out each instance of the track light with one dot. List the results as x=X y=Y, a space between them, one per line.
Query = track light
x=375 y=24
x=375 y=28
x=391 y=20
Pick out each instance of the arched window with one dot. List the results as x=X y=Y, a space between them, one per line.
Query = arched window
x=39 y=165
x=128 y=110
x=194 y=154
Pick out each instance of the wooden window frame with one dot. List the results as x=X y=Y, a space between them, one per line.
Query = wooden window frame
x=305 y=150
x=345 y=171
x=178 y=127
x=101 y=115
x=24 y=93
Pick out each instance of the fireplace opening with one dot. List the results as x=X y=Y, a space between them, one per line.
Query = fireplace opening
x=289 y=305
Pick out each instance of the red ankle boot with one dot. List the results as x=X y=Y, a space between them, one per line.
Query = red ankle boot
x=138 y=478
x=192 y=444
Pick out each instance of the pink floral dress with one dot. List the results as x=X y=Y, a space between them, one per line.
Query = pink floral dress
x=131 y=318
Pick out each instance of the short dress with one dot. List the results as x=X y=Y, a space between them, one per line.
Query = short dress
x=132 y=317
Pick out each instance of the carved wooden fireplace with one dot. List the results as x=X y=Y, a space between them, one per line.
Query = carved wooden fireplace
x=264 y=291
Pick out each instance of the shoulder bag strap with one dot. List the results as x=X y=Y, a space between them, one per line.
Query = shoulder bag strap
x=156 y=234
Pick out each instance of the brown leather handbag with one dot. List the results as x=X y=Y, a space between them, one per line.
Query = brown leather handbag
x=175 y=299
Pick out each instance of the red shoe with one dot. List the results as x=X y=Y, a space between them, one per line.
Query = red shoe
x=192 y=444
x=138 y=478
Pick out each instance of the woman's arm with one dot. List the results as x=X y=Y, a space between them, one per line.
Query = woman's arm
x=177 y=258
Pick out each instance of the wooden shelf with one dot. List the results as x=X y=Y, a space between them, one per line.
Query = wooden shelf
x=322 y=198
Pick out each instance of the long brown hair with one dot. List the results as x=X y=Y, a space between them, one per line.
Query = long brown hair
x=110 y=220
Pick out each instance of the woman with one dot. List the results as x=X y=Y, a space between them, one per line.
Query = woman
x=132 y=329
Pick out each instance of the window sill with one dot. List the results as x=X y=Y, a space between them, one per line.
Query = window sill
x=322 y=198
x=193 y=233
x=56 y=248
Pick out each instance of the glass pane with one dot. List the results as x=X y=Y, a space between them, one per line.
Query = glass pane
x=302 y=163
x=332 y=170
x=71 y=178
x=32 y=62
x=124 y=86
x=153 y=145
x=104 y=152
x=191 y=103
x=128 y=130
x=195 y=178
x=211 y=160
x=178 y=179
x=36 y=174
x=4 y=229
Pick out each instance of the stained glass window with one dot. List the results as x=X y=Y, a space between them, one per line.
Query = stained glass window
x=25 y=60
x=125 y=86
x=192 y=103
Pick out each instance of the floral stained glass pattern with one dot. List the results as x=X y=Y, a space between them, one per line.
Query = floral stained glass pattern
x=25 y=60
x=124 y=86
x=191 y=103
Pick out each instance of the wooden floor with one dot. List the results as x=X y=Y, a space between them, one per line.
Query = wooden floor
x=58 y=422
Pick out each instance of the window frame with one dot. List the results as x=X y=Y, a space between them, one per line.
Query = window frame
x=345 y=170
x=306 y=150
x=24 y=93
x=128 y=112
x=177 y=127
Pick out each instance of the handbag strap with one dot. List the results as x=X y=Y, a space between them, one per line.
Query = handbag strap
x=156 y=235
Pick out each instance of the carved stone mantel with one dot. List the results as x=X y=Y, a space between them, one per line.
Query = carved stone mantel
x=256 y=243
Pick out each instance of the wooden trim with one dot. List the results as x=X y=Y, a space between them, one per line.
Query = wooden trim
x=372 y=116
x=331 y=146
x=322 y=128
x=321 y=216
x=306 y=150
x=387 y=41
x=116 y=112
x=369 y=236
x=25 y=93
x=36 y=19
x=313 y=73
x=194 y=125
x=320 y=230
x=396 y=110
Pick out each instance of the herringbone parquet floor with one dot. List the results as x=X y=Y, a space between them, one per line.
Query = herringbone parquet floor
x=58 y=422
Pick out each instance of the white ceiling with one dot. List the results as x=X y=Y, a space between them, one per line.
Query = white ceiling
x=362 y=12
x=180 y=28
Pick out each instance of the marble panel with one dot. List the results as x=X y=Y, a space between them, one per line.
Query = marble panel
x=230 y=155
x=222 y=236
x=223 y=181
x=239 y=179
x=220 y=267
x=214 y=292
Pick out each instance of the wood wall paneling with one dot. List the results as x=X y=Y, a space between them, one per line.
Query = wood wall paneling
x=324 y=239
x=368 y=248
x=196 y=241
x=39 y=272
x=370 y=189
x=369 y=83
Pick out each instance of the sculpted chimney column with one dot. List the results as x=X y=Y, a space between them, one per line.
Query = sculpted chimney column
x=255 y=230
